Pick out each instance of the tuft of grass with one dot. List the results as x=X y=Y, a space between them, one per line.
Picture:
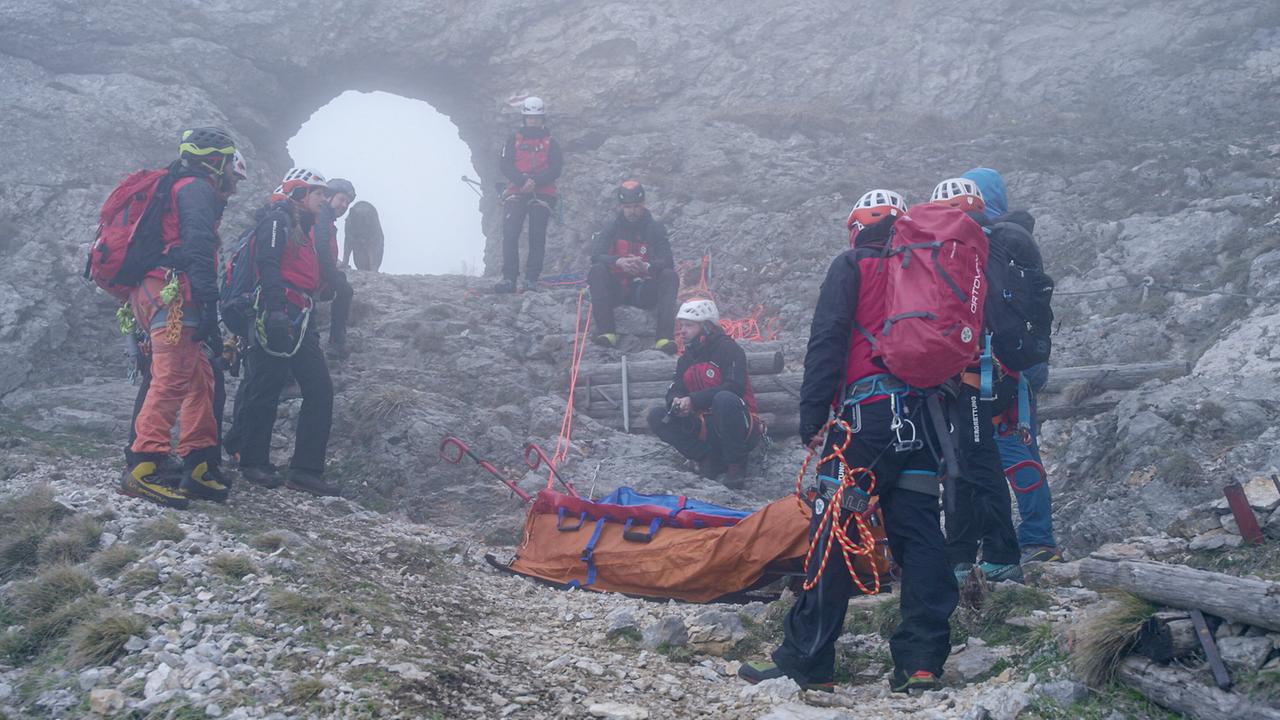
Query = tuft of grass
x=101 y=640
x=162 y=528
x=108 y=562
x=304 y=689
x=373 y=412
x=19 y=550
x=25 y=521
x=1180 y=469
x=1105 y=637
x=51 y=589
x=309 y=608
x=233 y=565
x=37 y=505
x=139 y=579
x=268 y=542
x=73 y=544
x=41 y=631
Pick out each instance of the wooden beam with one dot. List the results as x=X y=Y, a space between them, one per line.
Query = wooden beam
x=1244 y=600
x=1184 y=692
x=1115 y=377
x=768 y=362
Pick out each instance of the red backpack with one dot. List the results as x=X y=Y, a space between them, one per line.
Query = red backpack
x=934 y=295
x=129 y=242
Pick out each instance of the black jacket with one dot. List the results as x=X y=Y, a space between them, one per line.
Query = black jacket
x=717 y=348
x=555 y=161
x=199 y=209
x=648 y=230
x=828 y=351
x=273 y=234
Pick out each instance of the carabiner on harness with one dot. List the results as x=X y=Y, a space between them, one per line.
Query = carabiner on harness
x=899 y=424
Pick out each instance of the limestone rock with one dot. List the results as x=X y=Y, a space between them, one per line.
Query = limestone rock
x=618 y=711
x=1244 y=654
x=668 y=632
x=1064 y=693
x=774 y=690
x=971 y=663
x=106 y=702
x=716 y=632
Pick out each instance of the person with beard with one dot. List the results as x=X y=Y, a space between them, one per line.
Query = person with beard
x=284 y=341
x=632 y=264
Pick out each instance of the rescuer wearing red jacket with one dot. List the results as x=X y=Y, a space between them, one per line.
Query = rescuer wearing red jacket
x=531 y=162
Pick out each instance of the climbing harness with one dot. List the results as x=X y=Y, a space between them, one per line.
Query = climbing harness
x=300 y=324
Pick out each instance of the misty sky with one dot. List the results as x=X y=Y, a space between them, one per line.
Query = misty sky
x=406 y=159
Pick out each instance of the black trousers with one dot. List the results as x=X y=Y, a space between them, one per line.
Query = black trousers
x=928 y=592
x=983 y=512
x=339 y=314
x=214 y=456
x=516 y=209
x=657 y=294
x=729 y=435
x=259 y=398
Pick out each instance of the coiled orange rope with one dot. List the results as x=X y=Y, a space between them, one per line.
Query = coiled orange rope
x=837 y=530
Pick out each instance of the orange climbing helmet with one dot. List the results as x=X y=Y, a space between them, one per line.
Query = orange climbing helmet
x=960 y=193
x=872 y=207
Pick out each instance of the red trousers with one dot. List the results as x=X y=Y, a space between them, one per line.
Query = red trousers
x=181 y=389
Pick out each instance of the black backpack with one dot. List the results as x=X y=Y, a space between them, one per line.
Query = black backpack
x=1019 y=298
x=238 y=296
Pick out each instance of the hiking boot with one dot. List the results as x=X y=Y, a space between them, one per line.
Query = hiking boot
x=142 y=481
x=758 y=671
x=261 y=475
x=308 y=481
x=735 y=476
x=999 y=573
x=962 y=571
x=204 y=483
x=609 y=340
x=1041 y=553
x=529 y=285
x=505 y=287
x=711 y=469
x=667 y=346
x=917 y=682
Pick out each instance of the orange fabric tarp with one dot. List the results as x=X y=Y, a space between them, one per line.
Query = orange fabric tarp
x=694 y=564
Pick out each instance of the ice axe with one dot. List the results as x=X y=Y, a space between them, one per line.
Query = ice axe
x=462 y=449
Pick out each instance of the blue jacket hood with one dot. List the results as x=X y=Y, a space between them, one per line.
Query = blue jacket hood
x=991 y=185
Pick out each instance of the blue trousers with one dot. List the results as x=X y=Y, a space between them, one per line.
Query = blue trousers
x=1030 y=486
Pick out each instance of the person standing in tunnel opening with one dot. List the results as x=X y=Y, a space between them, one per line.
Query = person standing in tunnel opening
x=531 y=162
x=632 y=264
x=364 y=240
x=341 y=193
x=176 y=305
x=709 y=415
x=289 y=269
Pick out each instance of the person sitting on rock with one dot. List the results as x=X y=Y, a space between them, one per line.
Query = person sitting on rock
x=842 y=375
x=632 y=264
x=364 y=238
x=531 y=162
x=325 y=233
x=709 y=415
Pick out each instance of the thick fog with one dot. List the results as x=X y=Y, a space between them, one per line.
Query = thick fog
x=406 y=159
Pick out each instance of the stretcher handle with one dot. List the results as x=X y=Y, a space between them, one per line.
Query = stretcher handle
x=535 y=456
x=462 y=449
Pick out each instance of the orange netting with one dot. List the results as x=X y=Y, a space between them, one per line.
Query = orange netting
x=753 y=327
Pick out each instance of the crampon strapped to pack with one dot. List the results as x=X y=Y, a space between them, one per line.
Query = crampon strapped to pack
x=934 y=295
x=129 y=243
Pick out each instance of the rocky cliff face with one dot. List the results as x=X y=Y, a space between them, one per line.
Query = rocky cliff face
x=1142 y=136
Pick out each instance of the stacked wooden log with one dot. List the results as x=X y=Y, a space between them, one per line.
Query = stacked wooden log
x=1219 y=626
x=1071 y=392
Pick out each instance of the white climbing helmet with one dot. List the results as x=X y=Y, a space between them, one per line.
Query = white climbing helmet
x=960 y=193
x=533 y=106
x=874 y=206
x=238 y=166
x=300 y=177
x=699 y=311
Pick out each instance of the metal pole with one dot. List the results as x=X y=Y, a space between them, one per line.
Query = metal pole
x=1246 y=521
x=626 y=398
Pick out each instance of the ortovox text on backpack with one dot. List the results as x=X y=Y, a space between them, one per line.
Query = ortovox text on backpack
x=1019 y=297
x=129 y=243
x=934 y=295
